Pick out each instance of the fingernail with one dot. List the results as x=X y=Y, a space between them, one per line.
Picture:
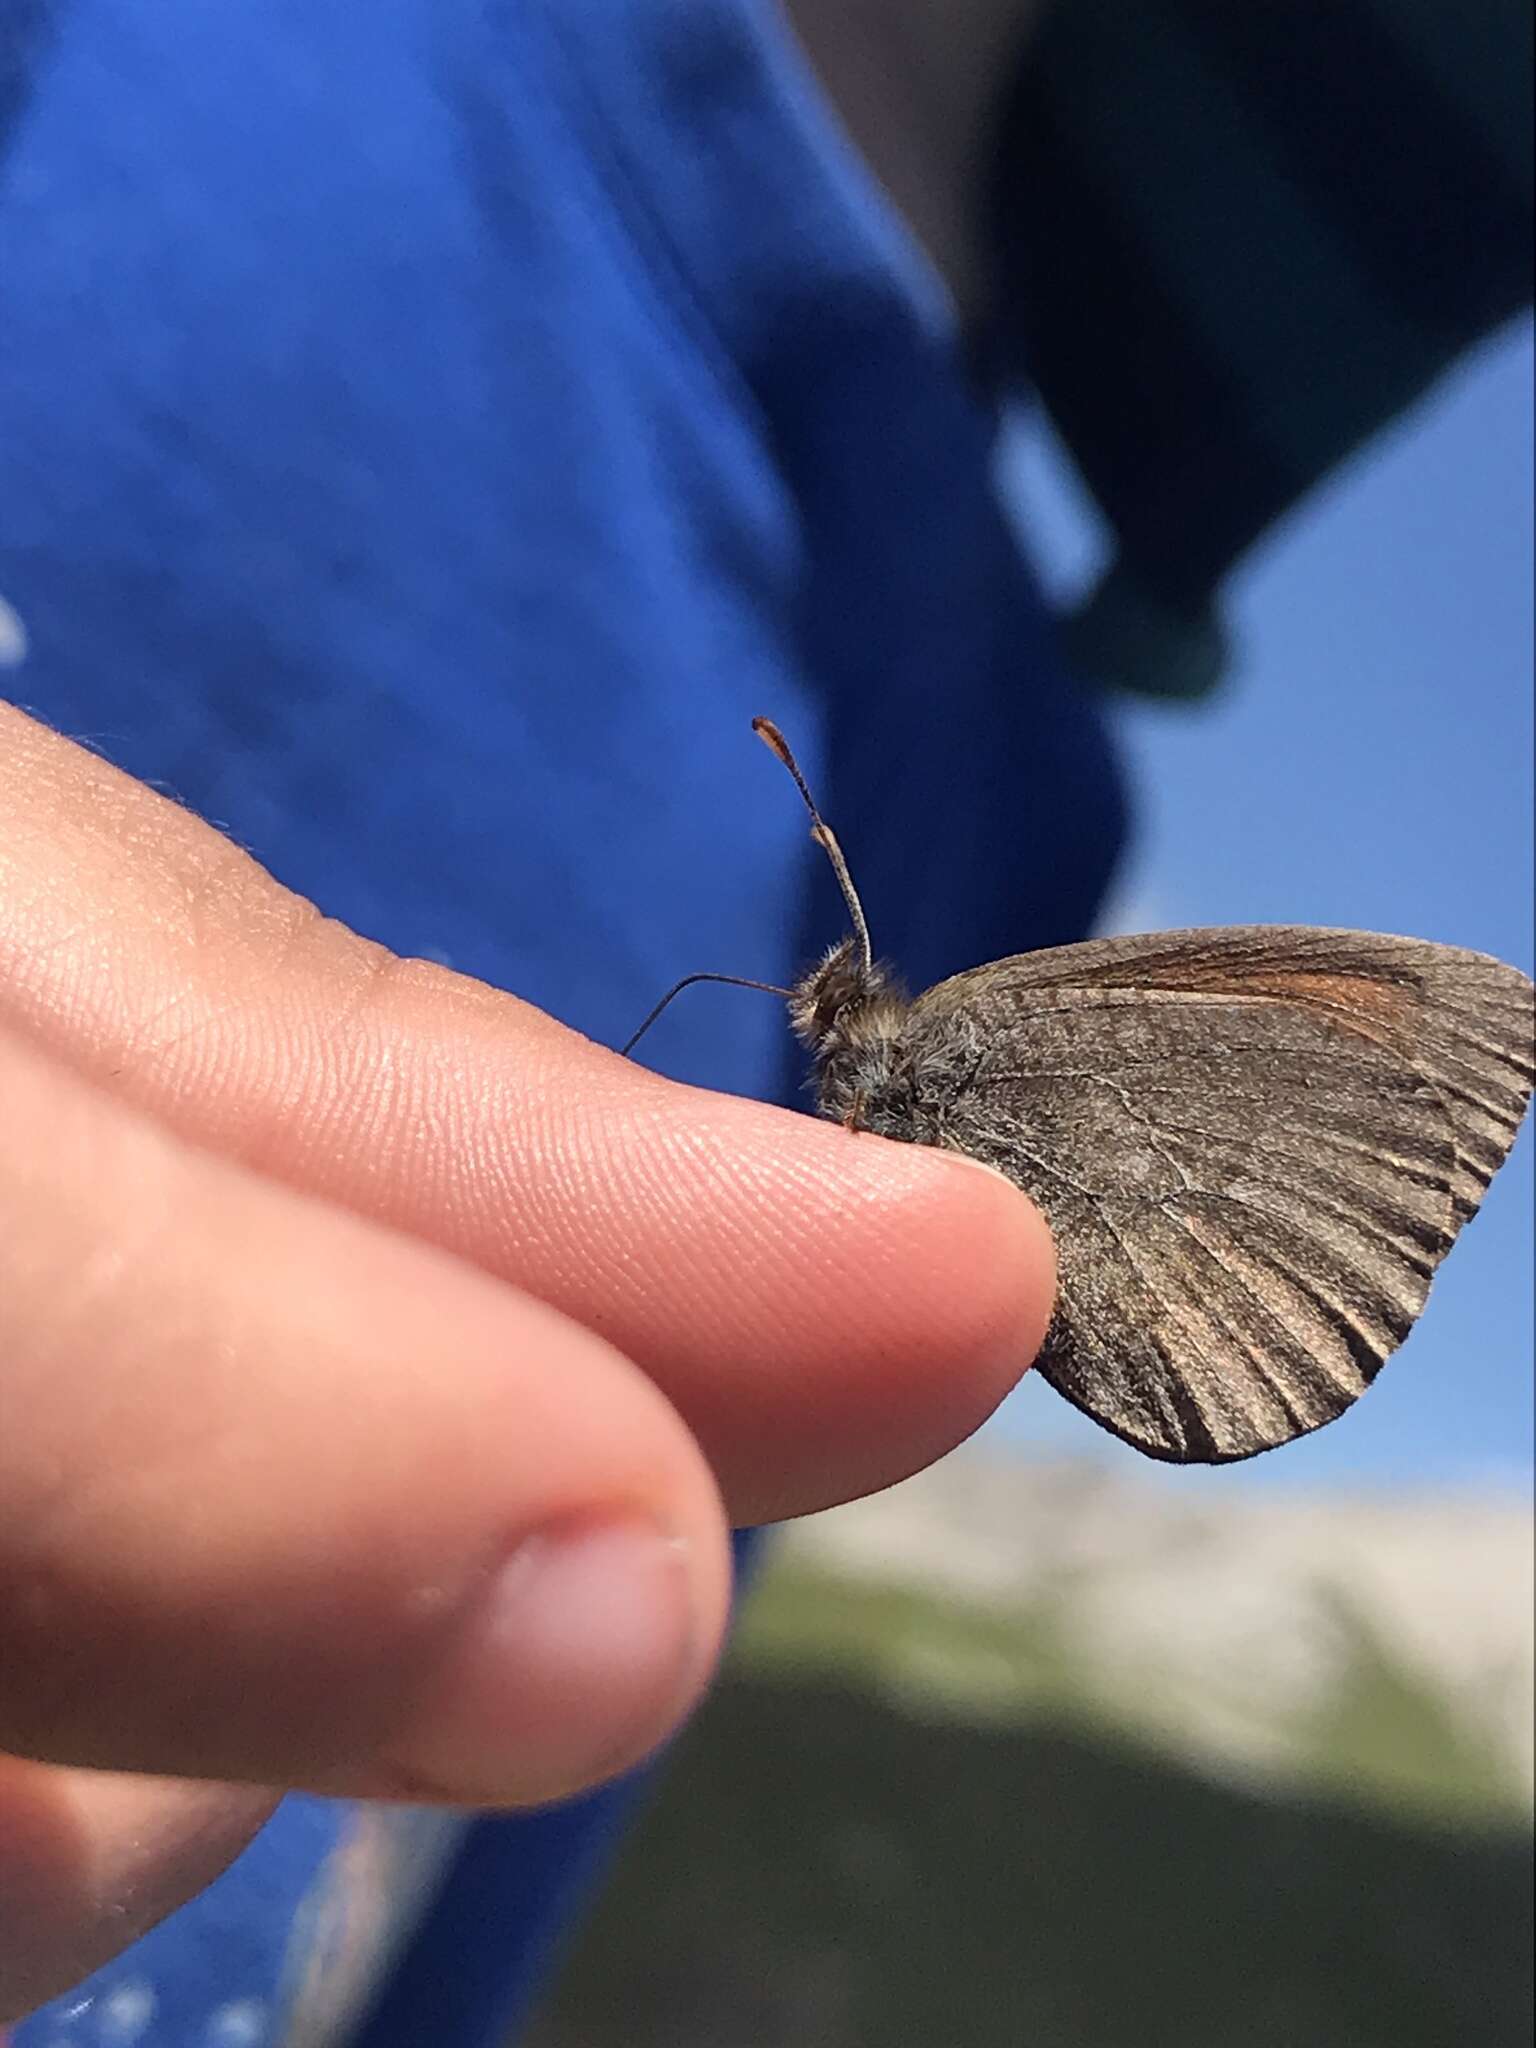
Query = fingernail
x=974 y=1166
x=941 y=1160
x=579 y=1659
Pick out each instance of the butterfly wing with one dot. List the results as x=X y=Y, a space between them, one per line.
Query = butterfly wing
x=1254 y=1146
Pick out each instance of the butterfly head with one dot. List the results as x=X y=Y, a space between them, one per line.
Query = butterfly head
x=845 y=1002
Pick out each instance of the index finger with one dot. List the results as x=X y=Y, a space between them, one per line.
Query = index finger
x=827 y=1312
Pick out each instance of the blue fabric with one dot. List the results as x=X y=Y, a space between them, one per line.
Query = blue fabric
x=222 y=1974
x=429 y=430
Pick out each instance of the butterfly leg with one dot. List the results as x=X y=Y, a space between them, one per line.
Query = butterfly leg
x=855 y=1112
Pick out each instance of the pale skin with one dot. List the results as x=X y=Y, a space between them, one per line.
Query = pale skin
x=336 y=1285
x=382 y=1365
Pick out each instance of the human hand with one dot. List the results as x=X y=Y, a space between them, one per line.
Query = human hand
x=381 y=1363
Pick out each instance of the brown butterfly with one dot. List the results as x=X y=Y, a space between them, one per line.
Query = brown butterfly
x=1254 y=1145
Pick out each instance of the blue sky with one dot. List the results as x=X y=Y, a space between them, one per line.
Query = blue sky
x=1369 y=763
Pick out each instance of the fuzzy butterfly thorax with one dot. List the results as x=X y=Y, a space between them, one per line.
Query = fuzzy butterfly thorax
x=850 y=1012
x=870 y=1071
x=844 y=998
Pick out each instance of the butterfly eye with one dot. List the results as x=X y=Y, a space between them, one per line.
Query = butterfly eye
x=828 y=1004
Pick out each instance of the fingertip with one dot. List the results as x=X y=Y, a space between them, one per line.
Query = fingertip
x=971 y=1268
x=590 y=1644
x=1014 y=1257
x=895 y=1293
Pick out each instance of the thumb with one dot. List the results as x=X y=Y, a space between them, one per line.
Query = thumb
x=288 y=1498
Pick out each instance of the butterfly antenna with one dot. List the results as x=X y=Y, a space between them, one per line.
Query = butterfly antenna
x=822 y=833
x=689 y=981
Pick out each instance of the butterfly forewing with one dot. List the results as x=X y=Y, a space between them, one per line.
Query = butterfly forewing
x=1254 y=1146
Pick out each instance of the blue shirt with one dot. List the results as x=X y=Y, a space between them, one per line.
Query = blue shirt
x=428 y=432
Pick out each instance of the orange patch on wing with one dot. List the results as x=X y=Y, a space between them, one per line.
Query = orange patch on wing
x=1378 y=1007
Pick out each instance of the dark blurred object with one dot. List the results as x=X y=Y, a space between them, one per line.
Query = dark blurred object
x=1029 y=1752
x=1237 y=241
x=828 y=1870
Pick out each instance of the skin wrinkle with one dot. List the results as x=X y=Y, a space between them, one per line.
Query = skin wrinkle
x=566 y=1152
x=646 y=1164
x=768 y=1215
x=720 y=1279
x=147 y=1045
x=209 y=940
x=72 y=940
x=343 y=1079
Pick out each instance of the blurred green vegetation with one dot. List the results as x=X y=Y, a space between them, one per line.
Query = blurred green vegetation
x=904 y=1823
x=1377 y=1733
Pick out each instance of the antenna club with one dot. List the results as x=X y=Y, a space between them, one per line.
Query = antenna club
x=774 y=740
x=822 y=833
